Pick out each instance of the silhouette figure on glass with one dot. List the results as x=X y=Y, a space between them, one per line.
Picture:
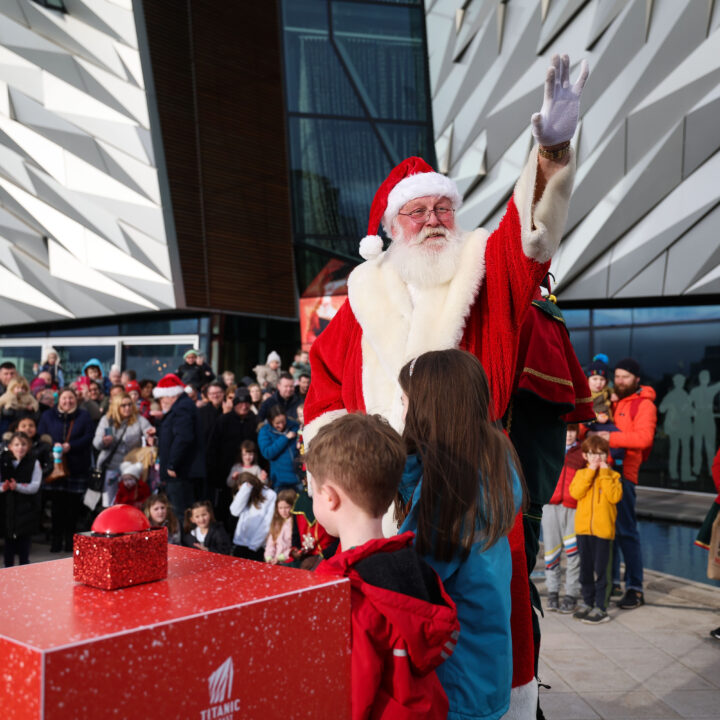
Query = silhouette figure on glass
x=678 y=411
x=702 y=398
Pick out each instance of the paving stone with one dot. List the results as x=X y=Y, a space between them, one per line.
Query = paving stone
x=632 y=705
x=694 y=703
x=566 y=706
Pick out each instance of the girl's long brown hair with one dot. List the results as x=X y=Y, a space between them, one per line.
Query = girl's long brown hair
x=468 y=463
x=289 y=496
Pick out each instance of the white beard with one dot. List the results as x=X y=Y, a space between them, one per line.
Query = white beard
x=423 y=266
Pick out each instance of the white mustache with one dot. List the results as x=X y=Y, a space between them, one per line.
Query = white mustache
x=425 y=233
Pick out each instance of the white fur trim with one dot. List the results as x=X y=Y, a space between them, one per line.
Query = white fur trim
x=543 y=225
x=419 y=185
x=370 y=247
x=523 y=702
x=311 y=429
x=395 y=330
x=171 y=391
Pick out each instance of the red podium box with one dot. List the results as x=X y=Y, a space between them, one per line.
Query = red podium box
x=219 y=639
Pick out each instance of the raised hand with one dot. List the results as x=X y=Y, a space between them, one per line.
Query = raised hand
x=558 y=117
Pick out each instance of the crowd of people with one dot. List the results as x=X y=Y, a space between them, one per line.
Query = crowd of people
x=215 y=459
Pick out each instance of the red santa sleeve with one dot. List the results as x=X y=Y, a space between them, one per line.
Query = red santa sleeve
x=328 y=355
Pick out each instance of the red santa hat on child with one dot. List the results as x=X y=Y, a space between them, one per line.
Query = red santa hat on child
x=169 y=386
x=412 y=178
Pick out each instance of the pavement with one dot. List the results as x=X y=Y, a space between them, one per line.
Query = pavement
x=657 y=661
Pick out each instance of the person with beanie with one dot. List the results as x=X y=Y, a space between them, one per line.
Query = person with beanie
x=635 y=415
x=597 y=375
x=193 y=372
x=437 y=287
x=269 y=373
x=133 y=490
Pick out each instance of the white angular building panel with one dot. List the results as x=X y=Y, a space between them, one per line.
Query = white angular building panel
x=82 y=229
x=648 y=181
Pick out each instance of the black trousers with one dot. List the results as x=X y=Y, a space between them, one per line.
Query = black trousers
x=595 y=569
x=65 y=507
x=242 y=551
x=19 y=546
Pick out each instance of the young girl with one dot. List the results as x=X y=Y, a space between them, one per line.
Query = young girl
x=461 y=490
x=202 y=532
x=247 y=463
x=253 y=506
x=19 y=499
x=278 y=445
x=279 y=540
x=159 y=512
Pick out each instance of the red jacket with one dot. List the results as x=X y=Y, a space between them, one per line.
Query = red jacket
x=398 y=639
x=574 y=460
x=135 y=496
x=716 y=475
x=636 y=419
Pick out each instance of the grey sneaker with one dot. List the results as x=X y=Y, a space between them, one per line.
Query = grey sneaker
x=553 y=602
x=568 y=605
x=582 y=612
x=596 y=616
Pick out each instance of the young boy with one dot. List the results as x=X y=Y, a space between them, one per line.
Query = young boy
x=597 y=489
x=558 y=527
x=597 y=376
x=403 y=622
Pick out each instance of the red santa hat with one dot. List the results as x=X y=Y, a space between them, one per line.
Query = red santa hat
x=169 y=386
x=412 y=178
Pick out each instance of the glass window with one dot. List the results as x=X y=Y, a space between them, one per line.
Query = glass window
x=676 y=314
x=580 y=340
x=84 y=331
x=576 y=318
x=160 y=326
x=663 y=350
x=335 y=166
x=26 y=359
x=608 y=316
x=406 y=140
x=382 y=47
x=73 y=357
x=614 y=343
x=153 y=361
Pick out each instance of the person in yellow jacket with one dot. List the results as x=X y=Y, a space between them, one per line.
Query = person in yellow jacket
x=597 y=489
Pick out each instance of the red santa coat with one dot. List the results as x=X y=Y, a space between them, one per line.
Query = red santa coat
x=357 y=359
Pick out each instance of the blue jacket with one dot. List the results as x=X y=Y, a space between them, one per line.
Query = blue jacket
x=180 y=441
x=478 y=676
x=281 y=452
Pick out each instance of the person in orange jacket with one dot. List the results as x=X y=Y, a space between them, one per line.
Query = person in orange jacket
x=635 y=415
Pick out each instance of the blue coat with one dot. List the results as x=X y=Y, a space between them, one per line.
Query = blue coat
x=281 y=452
x=180 y=441
x=478 y=676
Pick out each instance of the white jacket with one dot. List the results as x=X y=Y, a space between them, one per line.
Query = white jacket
x=253 y=523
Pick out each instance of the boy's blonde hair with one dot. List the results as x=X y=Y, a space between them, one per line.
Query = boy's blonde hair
x=363 y=456
x=595 y=444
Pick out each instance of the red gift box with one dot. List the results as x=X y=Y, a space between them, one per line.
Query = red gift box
x=243 y=640
x=111 y=562
x=121 y=550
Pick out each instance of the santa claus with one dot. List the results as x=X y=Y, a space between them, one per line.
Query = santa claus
x=437 y=287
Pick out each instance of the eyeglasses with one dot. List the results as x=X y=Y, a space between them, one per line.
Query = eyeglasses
x=126 y=405
x=596 y=454
x=422 y=215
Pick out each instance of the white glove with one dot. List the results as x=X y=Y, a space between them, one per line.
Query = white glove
x=558 y=117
